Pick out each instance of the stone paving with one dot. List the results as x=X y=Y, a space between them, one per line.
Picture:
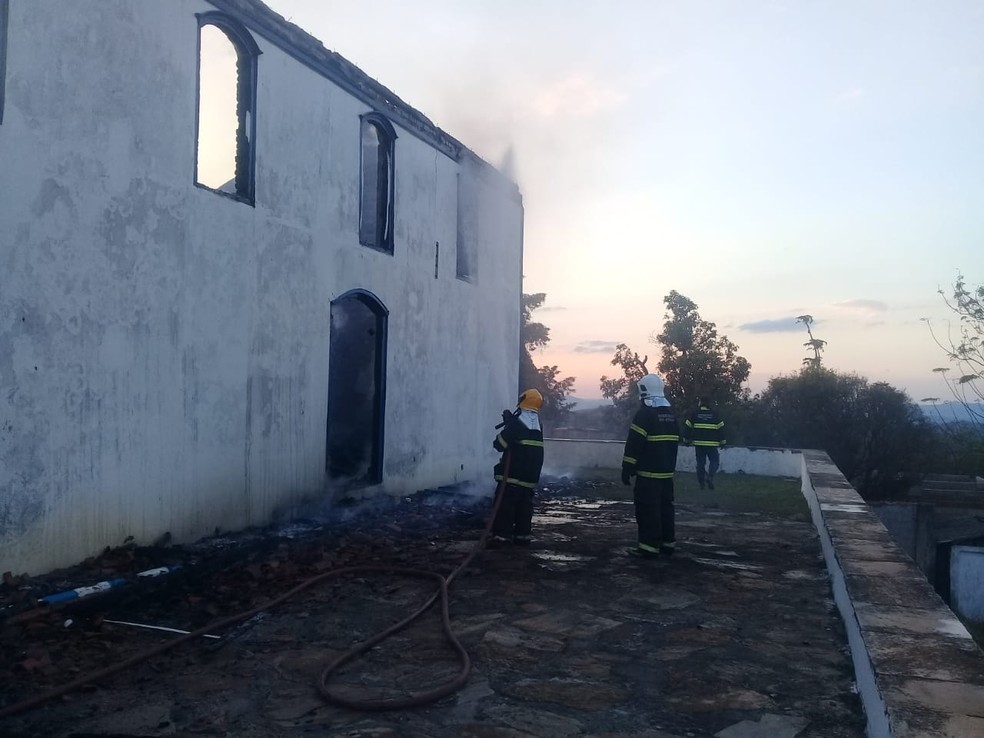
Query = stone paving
x=735 y=637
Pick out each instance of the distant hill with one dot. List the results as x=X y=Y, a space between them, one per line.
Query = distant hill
x=949 y=412
x=590 y=403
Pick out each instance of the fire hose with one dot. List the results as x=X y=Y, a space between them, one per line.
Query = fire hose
x=368 y=704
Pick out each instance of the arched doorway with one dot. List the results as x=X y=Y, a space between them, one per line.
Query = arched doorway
x=356 y=389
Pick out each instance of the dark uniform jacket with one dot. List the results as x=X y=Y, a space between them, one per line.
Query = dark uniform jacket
x=651 y=448
x=526 y=454
x=704 y=428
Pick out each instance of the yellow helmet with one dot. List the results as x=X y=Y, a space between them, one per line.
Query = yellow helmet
x=531 y=399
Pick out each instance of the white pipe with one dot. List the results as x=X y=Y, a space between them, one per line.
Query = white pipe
x=157 y=627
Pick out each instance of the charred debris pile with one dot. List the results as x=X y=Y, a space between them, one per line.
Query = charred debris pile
x=50 y=624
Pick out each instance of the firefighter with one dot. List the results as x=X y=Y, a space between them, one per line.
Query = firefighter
x=704 y=430
x=650 y=456
x=521 y=439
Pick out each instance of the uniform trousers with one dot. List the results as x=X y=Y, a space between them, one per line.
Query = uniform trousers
x=708 y=460
x=515 y=516
x=654 y=512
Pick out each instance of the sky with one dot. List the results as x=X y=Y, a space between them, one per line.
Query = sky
x=767 y=159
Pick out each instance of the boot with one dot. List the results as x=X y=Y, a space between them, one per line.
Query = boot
x=642 y=553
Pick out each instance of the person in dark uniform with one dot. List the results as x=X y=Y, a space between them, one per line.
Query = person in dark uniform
x=521 y=440
x=650 y=456
x=704 y=430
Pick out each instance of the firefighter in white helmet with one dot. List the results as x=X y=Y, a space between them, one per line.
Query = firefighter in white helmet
x=650 y=456
x=522 y=440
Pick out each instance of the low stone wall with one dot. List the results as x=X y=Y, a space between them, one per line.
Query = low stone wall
x=918 y=671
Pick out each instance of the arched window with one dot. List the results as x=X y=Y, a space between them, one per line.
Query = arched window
x=376 y=186
x=356 y=389
x=225 y=145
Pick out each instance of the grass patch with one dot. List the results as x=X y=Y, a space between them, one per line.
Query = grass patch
x=744 y=493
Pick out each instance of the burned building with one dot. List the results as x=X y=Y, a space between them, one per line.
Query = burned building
x=236 y=274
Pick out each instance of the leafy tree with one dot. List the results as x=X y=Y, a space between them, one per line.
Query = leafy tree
x=622 y=390
x=546 y=379
x=873 y=432
x=965 y=350
x=534 y=335
x=895 y=441
x=695 y=360
x=814 y=344
x=958 y=449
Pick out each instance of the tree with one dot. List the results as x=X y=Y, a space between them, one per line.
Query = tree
x=965 y=350
x=814 y=344
x=695 y=360
x=546 y=379
x=873 y=432
x=622 y=390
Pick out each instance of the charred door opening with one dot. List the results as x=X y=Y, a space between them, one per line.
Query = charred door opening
x=356 y=384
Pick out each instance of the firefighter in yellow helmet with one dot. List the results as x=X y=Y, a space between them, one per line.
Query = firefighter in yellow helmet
x=521 y=440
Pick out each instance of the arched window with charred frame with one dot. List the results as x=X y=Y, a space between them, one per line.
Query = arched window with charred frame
x=225 y=127
x=376 y=185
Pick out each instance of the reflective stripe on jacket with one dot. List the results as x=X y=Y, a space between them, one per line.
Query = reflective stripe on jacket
x=651 y=448
x=525 y=446
x=704 y=428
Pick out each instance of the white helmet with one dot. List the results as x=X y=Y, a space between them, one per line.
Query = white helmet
x=651 y=386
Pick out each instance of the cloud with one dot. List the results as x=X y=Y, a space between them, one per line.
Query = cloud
x=595 y=347
x=863 y=308
x=870 y=311
x=781 y=325
x=579 y=96
x=550 y=308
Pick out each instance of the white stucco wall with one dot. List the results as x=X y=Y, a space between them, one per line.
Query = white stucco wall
x=967 y=582
x=570 y=456
x=163 y=349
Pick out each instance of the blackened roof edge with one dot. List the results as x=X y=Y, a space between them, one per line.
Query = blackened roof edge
x=308 y=50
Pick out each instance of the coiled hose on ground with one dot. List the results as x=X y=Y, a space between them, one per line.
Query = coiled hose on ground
x=414 y=700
